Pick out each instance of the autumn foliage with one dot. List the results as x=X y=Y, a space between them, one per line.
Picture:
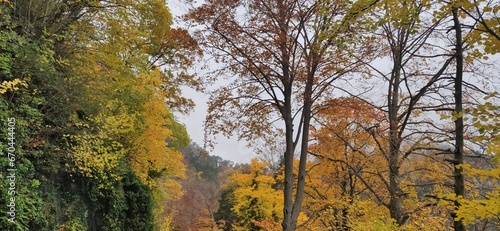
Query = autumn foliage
x=365 y=115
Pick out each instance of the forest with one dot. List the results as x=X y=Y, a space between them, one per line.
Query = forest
x=363 y=115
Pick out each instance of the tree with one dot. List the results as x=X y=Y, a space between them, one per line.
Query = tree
x=255 y=203
x=285 y=55
x=407 y=37
x=349 y=175
x=344 y=160
x=459 y=182
x=472 y=44
x=484 y=40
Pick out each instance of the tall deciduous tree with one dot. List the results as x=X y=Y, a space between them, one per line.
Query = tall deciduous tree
x=484 y=34
x=482 y=37
x=284 y=55
x=419 y=64
x=475 y=37
x=459 y=182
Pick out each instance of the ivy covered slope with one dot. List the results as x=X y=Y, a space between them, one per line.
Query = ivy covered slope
x=90 y=99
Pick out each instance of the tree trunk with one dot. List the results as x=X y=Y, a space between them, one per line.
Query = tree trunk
x=288 y=222
x=395 y=201
x=301 y=178
x=459 y=187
